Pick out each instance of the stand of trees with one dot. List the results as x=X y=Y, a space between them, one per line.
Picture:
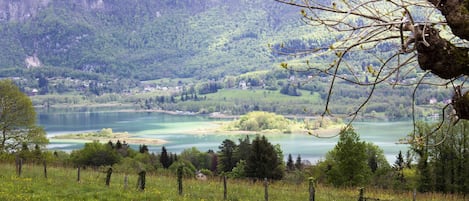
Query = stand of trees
x=444 y=167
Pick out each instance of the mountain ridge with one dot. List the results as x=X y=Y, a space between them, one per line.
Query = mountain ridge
x=142 y=40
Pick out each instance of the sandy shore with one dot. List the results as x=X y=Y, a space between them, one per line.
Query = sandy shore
x=122 y=137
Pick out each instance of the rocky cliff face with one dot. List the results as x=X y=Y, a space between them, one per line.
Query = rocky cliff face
x=20 y=10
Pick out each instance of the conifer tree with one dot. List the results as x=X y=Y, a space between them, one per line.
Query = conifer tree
x=298 y=164
x=143 y=149
x=164 y=158
x=243 y=149
x=263 y=161
x=226 y=158
x=290 y=164
x=399 y=166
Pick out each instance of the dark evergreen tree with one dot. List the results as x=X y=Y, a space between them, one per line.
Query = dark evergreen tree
x=372 y=160
x=143 y=149
x=110 y=144
x=298 y=164
x=226 y=158
x=399 y=166
x=425 y=179
x=408 y=159
x=263 y=161
x=243 y=149
x=290 y=163
x=118 y=144
x=171 y=158
x=164 y=158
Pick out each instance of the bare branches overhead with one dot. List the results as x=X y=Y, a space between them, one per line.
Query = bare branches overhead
x=425 y=36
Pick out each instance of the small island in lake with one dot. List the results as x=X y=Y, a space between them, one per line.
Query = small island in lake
x=106 y=135
x=266 y=122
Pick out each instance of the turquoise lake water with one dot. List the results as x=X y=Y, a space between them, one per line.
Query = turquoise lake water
x=175 y=129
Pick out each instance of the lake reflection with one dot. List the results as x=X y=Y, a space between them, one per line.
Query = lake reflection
x=174 y=129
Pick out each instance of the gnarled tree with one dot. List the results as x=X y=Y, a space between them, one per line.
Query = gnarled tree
x=428 y=34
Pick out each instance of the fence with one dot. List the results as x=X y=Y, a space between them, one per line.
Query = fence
x=311 y=188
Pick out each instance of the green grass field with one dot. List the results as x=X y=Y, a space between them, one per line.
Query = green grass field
x=62 y=184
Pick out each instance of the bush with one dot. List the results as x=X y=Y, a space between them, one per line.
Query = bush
x=188 y=169
x=95 y=154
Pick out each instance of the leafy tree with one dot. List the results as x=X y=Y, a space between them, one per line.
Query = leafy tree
x=239 y=170
x=164 y=158
x=348 y=160
x=226 y=158
x=17 y=119
x=188 y=170
x=200 y=160
x=263 y=161
x=150 y=161
x=95 y=154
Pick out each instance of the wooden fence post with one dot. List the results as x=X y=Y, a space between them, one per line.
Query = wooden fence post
x=414 y=198
x=141 y=180
x=19 y=164
x=179 y=176
x=126 y=181
x=108 y=177
x=362 y=195
x=266 y=189
x=224 y=187
x=45 y=168
x=78 y=174
x=312 y=190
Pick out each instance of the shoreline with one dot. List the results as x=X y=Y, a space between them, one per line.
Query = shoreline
x=122 y=137
x=126 y=107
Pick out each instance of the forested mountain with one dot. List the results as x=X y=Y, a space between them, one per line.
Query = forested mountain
x=144 y=39
x=92 y=50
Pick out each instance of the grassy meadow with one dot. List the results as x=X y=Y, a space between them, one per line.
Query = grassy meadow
x=61 y=184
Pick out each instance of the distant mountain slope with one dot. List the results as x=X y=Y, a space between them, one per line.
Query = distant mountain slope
x=143 y=39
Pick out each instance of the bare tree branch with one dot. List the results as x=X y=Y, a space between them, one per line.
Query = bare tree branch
x=413 y=26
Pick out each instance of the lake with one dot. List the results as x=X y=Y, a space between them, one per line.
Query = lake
x=175 y=129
